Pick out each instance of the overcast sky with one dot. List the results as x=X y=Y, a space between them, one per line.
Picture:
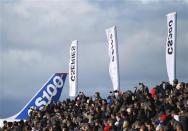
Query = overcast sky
x=35 y=36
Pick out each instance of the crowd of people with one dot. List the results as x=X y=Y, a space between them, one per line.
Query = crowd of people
x=160 y=108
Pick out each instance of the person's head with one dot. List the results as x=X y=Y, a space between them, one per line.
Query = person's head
x=10 y=124
x=5 y=123
x=149 y=125
x=178 y=86
x=85 y=127
x=97 y=123
x=125 y=124
x=15 y=123
x=98 y=109
x=162 y=128
x=118 y=116
x=143 y=128
x=97 y=94
x=81 y=93
x=116 y=93
x=138 y=124
x=175 y=82
x=136 y=105
x=110 y=122
x=186 y=85
x=129 y=110
x=179 y=127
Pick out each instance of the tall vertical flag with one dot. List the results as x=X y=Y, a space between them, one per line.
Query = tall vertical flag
x=113 y=54
x=73 y=69
x=171 y=47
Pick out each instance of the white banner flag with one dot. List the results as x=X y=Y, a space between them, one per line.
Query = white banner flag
x=171 y=47
x=113 y=54
x=73 y=76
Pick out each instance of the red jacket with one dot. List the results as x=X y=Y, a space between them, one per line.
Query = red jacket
x=153 y=91
x=107 y=128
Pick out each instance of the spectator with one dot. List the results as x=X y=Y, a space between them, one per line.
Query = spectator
x=165 y=108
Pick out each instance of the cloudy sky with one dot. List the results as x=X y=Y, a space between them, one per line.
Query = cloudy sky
x=35 y=36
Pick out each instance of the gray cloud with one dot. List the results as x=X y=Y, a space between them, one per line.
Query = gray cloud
x=35 y=39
